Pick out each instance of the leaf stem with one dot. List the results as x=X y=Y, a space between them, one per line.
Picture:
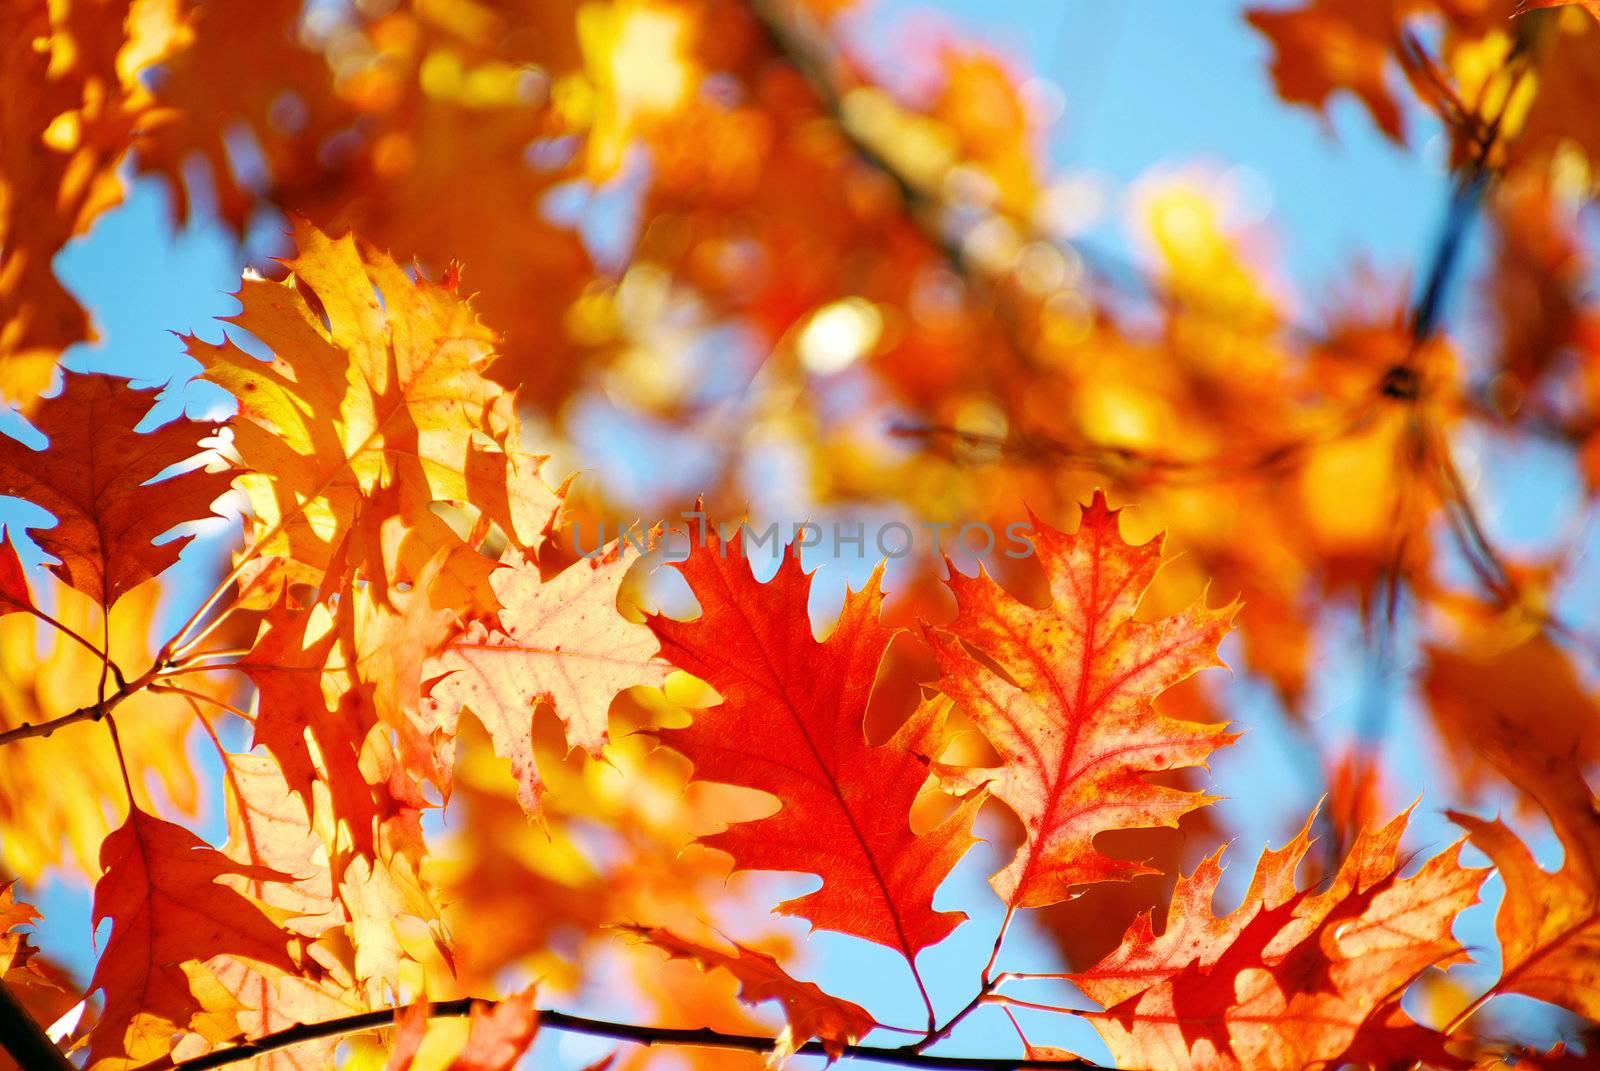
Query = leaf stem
x=999 y=943
x=577 y=1024
x=73 y=634
x=192 y=695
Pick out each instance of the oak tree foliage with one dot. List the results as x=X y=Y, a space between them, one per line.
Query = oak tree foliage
x=468 y=770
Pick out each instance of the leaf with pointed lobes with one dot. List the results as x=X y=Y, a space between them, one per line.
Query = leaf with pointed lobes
x=95 y=476
x=310 y=739
x=1532 y=681
x=14 y=595
x=1071 y=710
x=561 y=641
x=1549 y=923
x=15 y=948
x=374 y=405
x=162 y=891
x=809 y=1012
x=498 y=1035
x=790 y=725
x=1324 y=47
x=1292 y=978
x=44 y=990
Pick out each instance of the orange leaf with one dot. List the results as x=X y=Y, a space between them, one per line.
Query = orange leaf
x=1330 y=45
x=161 y=890
x=810 y=1012
x=14 y=596
x=94 y=476
x=373 y=407
x=44 y=990
x=15 y=948
x=560 y=641
x=790 y=724
x=1549 y=924
x=498 y=1035
x=287 y=666
x=1533 y=683
x=1072 y=716
x=1291 y=978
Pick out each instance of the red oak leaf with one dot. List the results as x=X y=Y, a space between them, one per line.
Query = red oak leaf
x=14 y=596
x=561 y=641
x=161 y=889
x=95 y=476
x=1073 y=718
x=790 y=724
x=810 y=1012
x=1290 y=979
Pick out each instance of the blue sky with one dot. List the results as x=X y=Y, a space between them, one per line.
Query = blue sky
x=1146 y=83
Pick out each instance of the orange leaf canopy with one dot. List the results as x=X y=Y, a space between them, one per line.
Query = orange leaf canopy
x=1073 y=716
x=1291 y=979
x=95 y=476
x=169 y=911
x=809 y=1011
x=790 y=724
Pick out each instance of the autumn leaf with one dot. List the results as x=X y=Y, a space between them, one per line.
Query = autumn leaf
x=73 y=79
x=15 y=948
x=14 y=596
x=1071 y=709
x=498 y=1034
x=269 y=832
x=287 y=665
x=373 y=407
x=1291 y=978
x=1549 y=923
x=809 y=1011
x=1328 y=46
x=1529 y=681
x=42 y=989
x=560 y=641
x=790 y=724
x=169 y=913
x=98 y=475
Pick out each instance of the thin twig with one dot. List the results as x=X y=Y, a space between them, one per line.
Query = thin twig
x=192 y=695
x=74 y=635
x=577 y=1024
x=91 y=712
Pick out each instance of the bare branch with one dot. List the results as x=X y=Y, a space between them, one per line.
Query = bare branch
x=25 y=1039
x=577 y=1024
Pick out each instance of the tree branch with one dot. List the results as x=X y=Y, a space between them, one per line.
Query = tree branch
x=25 y=1039
x=577 y=1024
x=92 y=712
